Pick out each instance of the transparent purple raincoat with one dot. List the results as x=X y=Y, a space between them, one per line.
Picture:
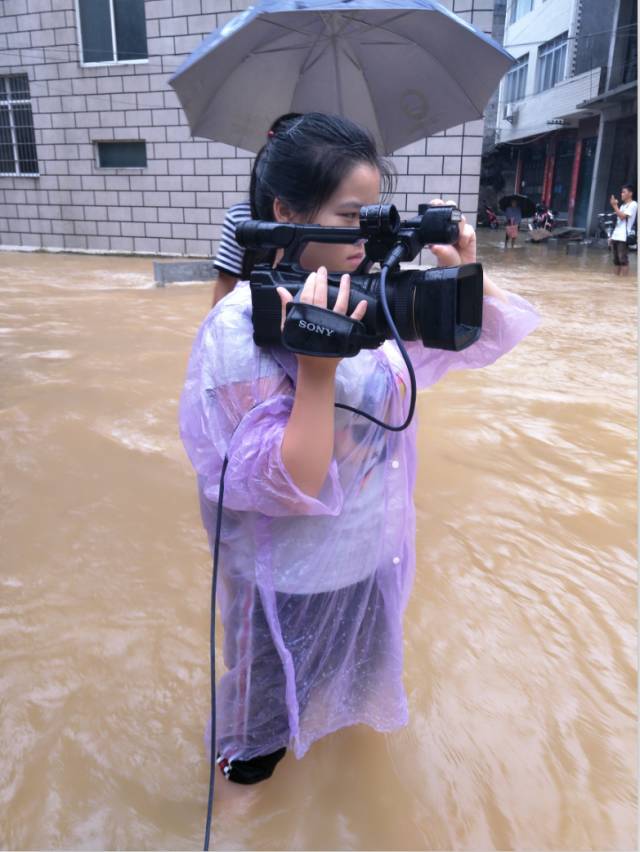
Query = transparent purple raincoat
x=312 y=590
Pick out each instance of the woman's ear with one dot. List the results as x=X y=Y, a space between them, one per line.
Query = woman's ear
x=281 y=211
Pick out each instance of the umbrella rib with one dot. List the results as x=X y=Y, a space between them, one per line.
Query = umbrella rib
x=305 y=67
x=278 y=49
x=355 y=61
x=365 y=25
x=336 y=65
x=287 y=28
x=408 y=40
x=458 y=84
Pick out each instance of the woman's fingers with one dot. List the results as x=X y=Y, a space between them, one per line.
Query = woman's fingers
x=285 y=298
x=315 y=292
x=308 y=291
x=446 y=255
x=360 y=310
x=320 y=294
x=342 y=302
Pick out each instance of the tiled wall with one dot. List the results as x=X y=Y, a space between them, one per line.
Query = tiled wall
x=176 y=204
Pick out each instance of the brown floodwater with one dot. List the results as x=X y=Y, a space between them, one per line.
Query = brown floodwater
x=520 y=635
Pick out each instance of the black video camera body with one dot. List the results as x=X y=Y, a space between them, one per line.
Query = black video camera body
x=442 y=307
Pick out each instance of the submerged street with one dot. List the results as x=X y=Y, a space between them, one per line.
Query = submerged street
x=520 y=636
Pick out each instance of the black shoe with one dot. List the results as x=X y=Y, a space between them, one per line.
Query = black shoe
x=250 y=771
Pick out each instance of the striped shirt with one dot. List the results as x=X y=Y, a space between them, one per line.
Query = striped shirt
x=230 y=255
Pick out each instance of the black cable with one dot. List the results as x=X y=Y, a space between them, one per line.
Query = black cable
x=216 y=548
x=405 y=356
x=212 y=651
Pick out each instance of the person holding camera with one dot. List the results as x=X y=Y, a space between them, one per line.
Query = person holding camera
x=624 y=231
x=317 y=537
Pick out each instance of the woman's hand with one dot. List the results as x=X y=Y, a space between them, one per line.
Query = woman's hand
x=315 y=292
x=464 y=251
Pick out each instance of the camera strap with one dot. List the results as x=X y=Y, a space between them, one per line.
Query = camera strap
x=311 y=330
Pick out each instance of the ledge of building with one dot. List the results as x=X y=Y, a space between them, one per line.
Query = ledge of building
x=563 y=101
x=625 y=92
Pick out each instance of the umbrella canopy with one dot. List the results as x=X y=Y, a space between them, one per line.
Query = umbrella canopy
x=526 y=205
x=404 y=69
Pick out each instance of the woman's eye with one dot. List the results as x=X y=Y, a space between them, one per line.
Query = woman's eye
x=350 y=216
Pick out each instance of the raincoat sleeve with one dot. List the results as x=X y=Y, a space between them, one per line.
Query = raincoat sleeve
x=236 y=402
x=504 y=324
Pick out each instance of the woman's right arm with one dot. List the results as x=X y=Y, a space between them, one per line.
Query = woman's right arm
x=307 y=445
x=239 y=403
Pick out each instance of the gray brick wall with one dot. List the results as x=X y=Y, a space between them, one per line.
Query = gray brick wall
x=176 y=204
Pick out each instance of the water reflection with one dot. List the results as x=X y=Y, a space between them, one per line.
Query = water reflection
x=520 y=635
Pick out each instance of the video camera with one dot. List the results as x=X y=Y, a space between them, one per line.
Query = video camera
x=442 y=307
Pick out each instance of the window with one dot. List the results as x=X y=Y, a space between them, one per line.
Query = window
x=122 y=155
x=516 y=80
x=519 y=8
x=112 y=31
x=18 y=155
x=552 y=58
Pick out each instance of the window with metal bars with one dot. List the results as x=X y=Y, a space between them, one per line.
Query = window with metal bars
x=18 y=154
x=112 y=31
x=552 y=60
x=516 y=80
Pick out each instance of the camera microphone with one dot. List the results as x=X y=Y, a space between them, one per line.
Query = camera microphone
x=257 y=234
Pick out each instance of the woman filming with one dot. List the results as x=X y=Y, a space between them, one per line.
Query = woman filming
x=317 y=549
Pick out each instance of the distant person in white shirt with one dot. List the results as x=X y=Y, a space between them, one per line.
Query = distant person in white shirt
x=626 y=224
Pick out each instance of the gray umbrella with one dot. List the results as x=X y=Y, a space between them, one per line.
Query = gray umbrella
x=405 y=69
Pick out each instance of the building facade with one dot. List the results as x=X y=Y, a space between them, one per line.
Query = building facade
x=567 y=110
x=96 y=154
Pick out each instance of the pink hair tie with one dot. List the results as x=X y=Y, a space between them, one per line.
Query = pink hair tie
x=271 y=134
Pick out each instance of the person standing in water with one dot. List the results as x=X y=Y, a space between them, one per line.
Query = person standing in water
x=317 y=546
x=513 y=215
x=626 y=213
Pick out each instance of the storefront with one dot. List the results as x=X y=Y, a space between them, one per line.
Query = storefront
x=557 y=170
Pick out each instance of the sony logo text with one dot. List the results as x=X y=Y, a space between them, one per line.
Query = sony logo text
x=312 y=326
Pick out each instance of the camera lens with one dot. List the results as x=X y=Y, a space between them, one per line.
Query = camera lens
x=442 y=307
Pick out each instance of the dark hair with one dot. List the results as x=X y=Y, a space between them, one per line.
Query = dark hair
x=304 y=162
x=279 y=124
x=630 y=187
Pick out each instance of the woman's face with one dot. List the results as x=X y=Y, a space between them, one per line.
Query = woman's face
x=359 y=187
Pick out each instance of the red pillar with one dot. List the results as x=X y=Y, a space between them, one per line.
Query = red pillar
x=549 y=169
x=518 y=180
x=575 y=173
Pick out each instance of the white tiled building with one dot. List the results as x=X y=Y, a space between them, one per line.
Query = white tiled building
x=96 y=154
